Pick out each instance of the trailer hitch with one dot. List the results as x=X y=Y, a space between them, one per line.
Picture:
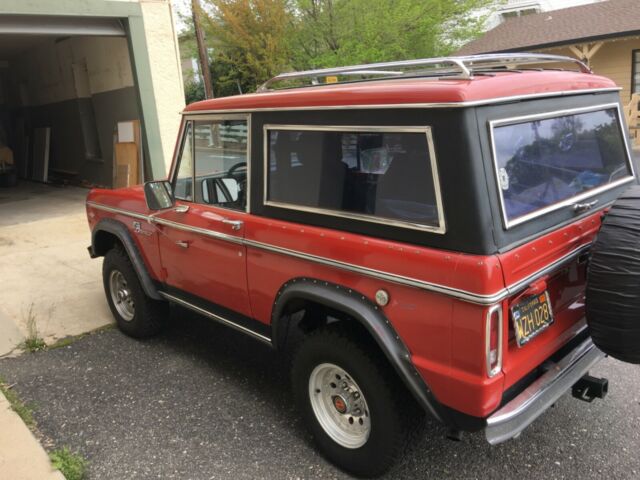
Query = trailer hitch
x=588 y=388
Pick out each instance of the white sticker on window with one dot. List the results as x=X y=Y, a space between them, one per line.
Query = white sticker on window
x=504 y=179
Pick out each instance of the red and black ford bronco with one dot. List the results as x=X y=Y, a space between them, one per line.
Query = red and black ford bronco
x=419 y=235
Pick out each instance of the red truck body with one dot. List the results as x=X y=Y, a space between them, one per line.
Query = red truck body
x=441 y=298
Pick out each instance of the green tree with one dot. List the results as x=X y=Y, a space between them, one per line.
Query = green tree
x=341 y=32
x=251 y=42
x=193 y=91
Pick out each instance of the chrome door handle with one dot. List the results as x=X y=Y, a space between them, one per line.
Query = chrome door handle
x=583 y=207
x=181 y=209
x=235 y=224
x=182 y=244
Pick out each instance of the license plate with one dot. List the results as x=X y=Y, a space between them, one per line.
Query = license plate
x=531 y=316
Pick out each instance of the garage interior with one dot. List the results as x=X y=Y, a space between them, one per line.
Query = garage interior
x=69 y=106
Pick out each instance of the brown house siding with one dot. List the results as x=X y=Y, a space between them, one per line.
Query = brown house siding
x=613 y=60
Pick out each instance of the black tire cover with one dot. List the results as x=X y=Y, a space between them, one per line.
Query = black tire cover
x=613 y=281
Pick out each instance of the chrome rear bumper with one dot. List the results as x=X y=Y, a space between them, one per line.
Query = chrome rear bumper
x=519 y=413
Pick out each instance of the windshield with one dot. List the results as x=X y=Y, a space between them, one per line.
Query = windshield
x=544 y=162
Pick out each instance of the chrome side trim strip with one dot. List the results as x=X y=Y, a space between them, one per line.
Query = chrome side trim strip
x=477 y=298
x=568 y=258
x=471 y=297
x=169 y=223
x=508 y=223
x=472 y=103
x=217 y=318
x=520 y=412
x=119 y=211
x=202 y=231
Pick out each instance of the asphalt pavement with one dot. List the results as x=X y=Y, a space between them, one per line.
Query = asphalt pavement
x=204 y=402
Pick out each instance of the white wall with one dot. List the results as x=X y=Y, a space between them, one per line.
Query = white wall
x=166 y=73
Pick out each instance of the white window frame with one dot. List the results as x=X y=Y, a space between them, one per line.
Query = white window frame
x=569 y=202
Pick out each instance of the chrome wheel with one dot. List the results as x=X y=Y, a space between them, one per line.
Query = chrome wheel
x=121 y=295
x=339 y=405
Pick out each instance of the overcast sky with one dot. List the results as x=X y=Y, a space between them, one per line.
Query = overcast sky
x=181 y=8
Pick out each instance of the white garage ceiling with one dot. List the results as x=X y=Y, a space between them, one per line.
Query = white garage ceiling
x=18 y=33
x=65 y=26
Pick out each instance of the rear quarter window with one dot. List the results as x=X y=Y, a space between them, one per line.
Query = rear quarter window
x=375 y=174
x=544 y=162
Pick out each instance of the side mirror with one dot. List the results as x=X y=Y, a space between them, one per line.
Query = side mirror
x=158 y=195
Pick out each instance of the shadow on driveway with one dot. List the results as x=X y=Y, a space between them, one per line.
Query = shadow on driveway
x=202 y=401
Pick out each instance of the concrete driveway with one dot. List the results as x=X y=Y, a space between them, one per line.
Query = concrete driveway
x=204 y=402
x=46 y=271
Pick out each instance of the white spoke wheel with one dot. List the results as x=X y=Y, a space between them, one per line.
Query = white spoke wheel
x=136 y=314
x=352 y=401
x=121 y=295
x=339 y=405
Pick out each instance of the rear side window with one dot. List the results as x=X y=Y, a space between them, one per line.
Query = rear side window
x=550 y=161
x=379 y=174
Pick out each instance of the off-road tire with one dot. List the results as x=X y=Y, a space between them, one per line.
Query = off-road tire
x=613 y=281
x=394 y=414
x=150 y=316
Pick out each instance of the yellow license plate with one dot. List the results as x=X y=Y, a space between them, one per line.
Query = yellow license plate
x=531 y=316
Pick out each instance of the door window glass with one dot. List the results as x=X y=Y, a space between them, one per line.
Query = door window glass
x=184 y=179
x=221 y=163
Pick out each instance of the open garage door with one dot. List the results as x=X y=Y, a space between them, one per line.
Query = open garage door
x=66 y=85
x=60 y=26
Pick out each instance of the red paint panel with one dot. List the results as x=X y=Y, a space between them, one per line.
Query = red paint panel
x=565 y=286
x=131 y=199
x=471 y=273
x=444 y=335
x=210 y=268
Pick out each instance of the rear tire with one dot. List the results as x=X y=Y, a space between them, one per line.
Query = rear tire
x=613 y=281
x=136 y=314
x=358 y=412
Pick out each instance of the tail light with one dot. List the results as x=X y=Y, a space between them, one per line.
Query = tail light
x=493 y=340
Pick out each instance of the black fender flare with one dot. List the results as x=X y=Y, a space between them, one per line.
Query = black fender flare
x=120 y=231
x=370 y=316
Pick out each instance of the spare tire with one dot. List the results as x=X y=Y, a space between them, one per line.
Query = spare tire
x=613 y=281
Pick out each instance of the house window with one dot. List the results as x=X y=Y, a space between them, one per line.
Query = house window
x=635 y=69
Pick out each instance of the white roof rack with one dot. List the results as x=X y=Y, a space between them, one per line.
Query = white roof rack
x=445 y=67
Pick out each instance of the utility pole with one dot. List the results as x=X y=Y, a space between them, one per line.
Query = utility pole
x=202 y=49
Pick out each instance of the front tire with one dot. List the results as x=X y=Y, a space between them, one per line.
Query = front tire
x=352 y=402
x=135 y=313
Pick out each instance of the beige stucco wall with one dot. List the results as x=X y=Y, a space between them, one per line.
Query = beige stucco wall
x=613 y=60
x=166 y=74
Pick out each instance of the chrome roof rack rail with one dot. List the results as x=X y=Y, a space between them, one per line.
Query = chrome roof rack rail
x=444 y=67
